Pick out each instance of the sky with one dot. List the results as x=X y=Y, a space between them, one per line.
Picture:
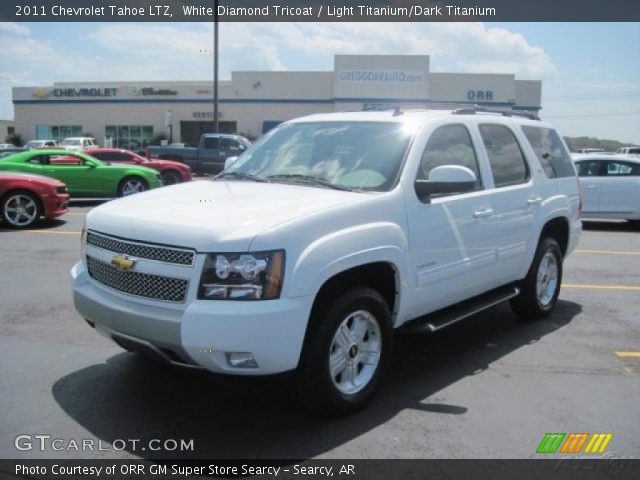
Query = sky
x=590 y=71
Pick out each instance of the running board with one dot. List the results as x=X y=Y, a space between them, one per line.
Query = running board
x=447 y=316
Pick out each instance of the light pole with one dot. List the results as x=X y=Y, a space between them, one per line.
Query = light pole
x=215 y=66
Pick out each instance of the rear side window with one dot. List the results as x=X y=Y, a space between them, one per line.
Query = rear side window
x=210 y=142
x=449 y=145
x=622 y=169
x=505 y=156
x=550 y=150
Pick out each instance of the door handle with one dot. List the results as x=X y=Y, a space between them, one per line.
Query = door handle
x=592 y=187
x=483 y=212
x=534 y=200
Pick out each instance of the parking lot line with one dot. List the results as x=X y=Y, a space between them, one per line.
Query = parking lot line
x=628 y=354
x=602 y=287
x=53 y=232
x=607 y=252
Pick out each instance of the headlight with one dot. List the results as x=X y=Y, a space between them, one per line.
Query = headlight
x=242 y=276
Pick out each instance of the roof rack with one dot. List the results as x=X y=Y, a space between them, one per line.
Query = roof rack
x=473 y=109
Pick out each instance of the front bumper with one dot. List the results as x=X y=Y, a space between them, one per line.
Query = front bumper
x=201 y=332
x=55 y=206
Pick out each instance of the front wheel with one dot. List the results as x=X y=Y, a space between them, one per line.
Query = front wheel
x=20 y=209
x=131 y=185
x=170 y=177
x=541 y=287
x=347 y=348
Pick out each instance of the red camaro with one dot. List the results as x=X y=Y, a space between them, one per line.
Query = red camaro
x=170 y=171
x=25 y=198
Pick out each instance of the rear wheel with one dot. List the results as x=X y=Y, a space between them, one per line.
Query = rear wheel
x=347 y=348
x=541 y=287
x=170 y=177
x=20 y=209
x=131 y=185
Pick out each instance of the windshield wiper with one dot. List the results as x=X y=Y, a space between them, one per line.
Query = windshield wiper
x=310 y=180
x=248 y=176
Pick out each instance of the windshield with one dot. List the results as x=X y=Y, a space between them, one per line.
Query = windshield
x=71 y=142
x=352 y=155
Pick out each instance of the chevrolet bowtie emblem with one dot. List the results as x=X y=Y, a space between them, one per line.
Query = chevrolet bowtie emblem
x=122 y=262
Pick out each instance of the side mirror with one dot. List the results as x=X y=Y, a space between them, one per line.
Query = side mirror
x=229 y=161
x=446 y=179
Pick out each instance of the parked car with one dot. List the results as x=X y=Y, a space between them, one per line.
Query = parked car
x=5 y=152
x=77 y=143
x=591 y=150
x=85 y=176
x=32 y=144
x=170 y=172
x=6 y=145
x=208 y=157
x=25 y=198
x=610 y=186
x=629 y=151
x=327 y=235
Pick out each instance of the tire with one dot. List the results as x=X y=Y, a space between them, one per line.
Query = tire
x=170 y=177
x=20 y=209
x=361 y=309
x=127 y=188
x=537 y=300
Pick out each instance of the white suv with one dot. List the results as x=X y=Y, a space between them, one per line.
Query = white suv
x=325 y=236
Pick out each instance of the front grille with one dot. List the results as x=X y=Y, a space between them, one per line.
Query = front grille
x=151 y=252
x=140 y=284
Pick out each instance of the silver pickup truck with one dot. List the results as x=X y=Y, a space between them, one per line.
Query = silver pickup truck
x=208 y=157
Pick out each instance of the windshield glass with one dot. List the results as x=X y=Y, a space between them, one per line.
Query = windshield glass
x=354 y=155
x=71 y=142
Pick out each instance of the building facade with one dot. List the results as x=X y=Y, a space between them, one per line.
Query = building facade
x=252 y=102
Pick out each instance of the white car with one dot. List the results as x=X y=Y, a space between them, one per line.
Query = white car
x=33 y=144
x=77 y=143
x=331 y=232
x=610 y=186
x=629 y=151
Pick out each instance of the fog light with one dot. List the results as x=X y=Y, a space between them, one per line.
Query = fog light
x=241 y=360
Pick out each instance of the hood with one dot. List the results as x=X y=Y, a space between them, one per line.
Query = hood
x=31 y=178
x=122 y=167
x=156 y=162
x=212 y=215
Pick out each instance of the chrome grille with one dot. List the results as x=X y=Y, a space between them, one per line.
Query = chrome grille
x=140 y=250
x=139 y=284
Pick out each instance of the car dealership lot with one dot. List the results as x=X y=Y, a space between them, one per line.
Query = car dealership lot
x=490 y=386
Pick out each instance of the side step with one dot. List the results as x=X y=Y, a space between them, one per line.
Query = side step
x=447 y=316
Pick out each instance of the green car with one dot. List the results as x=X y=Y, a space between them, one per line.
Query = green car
x=84 y=175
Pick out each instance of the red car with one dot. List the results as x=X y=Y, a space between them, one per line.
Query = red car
x=171 y=172
x=25 y=198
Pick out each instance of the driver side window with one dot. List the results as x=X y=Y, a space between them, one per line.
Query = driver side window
x=449 y=145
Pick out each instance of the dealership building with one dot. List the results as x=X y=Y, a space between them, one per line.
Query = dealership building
x=252 y=102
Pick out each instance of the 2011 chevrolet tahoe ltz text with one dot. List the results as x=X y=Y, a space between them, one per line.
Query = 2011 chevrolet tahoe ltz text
x=335 y=229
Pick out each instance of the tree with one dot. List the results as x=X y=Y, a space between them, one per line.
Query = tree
x=14 y=139
x=156 y=138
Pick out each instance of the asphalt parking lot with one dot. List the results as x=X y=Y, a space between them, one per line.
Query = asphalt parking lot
x=489 y=387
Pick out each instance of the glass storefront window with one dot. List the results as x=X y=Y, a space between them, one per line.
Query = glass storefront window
x=130 y=137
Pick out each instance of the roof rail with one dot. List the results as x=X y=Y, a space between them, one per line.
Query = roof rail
x=473 y=109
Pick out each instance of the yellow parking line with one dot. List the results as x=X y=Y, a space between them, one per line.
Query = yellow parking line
x=628 y=354
x=609 y=252
x=602 y=287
